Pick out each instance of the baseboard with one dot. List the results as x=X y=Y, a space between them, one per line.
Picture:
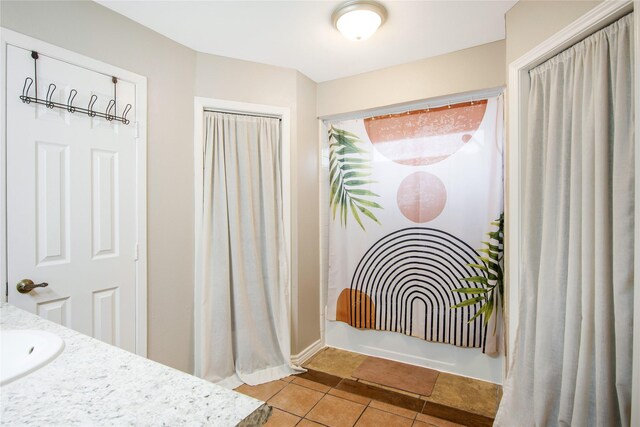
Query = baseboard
x=307 y=353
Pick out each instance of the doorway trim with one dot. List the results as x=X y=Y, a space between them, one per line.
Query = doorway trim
x=597 y=18
x=12 y=38
x=284 y=113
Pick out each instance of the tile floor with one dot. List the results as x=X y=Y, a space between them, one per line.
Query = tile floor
x=328 y=395
x=475 y=396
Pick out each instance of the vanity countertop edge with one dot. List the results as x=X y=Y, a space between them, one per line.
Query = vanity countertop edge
x=94 y=383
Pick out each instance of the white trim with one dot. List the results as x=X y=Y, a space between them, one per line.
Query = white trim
x=307 y=353
x=321 y=239
x=200 y=104
x=3 y=167
x=599 y=17
x=141 y=220
x=8 y=37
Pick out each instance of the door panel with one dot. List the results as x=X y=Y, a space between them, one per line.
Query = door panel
x=71 y=212
x=52 y=203
x=104 y=209
x=56 y=310
x=105 y=315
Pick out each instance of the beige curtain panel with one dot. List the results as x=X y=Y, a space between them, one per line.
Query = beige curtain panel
x=242 y=329
x=572 y=360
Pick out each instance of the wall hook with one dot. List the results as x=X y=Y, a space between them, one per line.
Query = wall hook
x=72 y=96
x=50 y=90
x=124 y=114
x=92 y=102
x=109 y=109
x=25 y=90
x=110 y=114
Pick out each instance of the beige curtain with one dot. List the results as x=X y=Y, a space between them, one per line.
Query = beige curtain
x=572 y=360
x=241 y=313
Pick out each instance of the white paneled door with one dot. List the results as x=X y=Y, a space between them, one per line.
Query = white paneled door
x=71 y=201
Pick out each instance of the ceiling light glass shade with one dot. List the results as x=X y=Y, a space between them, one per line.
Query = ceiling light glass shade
x=358 y=20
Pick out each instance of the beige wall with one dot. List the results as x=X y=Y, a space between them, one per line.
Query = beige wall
x=307 y=319
x=530 y=22
x=243 y=81
x=175 y=74
x=94 y=31
x=479 y=67
x=230 y=79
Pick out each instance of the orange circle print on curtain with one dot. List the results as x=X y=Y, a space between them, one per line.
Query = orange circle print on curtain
x=421 y=197
x=425 y=137
x=422 y=138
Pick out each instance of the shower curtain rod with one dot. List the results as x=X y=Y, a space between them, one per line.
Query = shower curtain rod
x=238 y=113
x=433 y=103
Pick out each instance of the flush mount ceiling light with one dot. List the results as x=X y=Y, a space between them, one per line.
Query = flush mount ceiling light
x=359 y=19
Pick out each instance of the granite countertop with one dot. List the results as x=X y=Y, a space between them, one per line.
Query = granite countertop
x=93 y=383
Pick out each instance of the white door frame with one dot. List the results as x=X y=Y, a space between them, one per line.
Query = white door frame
x=200 y=105
x=599 y=17
x=8 y=37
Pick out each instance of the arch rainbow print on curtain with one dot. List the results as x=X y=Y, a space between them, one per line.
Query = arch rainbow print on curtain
x=432 y=180
x=405 y=280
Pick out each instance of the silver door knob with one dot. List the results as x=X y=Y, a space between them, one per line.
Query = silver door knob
x=26 y=285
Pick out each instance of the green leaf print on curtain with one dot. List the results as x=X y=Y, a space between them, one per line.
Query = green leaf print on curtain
x=491 y=285
x=348 y=174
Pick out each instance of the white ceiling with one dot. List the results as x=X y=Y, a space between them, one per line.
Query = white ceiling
x=300 y=35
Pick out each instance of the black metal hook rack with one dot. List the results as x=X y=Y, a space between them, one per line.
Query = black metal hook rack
x=110 y=113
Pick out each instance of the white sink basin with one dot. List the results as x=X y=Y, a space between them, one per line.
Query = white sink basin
x=24 y=351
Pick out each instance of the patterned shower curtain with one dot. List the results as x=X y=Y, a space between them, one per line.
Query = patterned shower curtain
x=415 y=226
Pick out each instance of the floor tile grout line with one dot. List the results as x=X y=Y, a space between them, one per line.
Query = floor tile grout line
x=314 y=405
x=359 y=416
x=341 y=398
x=424 y=403
x=309 y=388
x=305 y=414
x=424 y=399
x=368 y=405
x=439 y=378
x=290 y=413
x=330 y=388
x=393 y=413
